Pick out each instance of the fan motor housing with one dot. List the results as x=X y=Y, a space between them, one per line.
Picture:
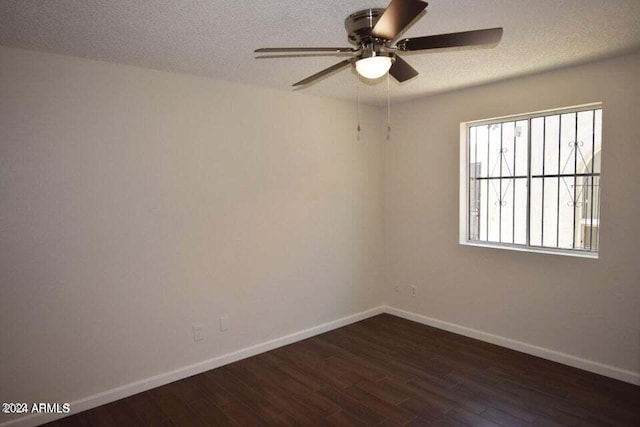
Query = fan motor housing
x=359 y=25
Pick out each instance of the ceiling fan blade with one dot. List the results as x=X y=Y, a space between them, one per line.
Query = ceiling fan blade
x=401 y=70
x=305 y=49
x=396 y=17
x=465 y=38
x=324 y=72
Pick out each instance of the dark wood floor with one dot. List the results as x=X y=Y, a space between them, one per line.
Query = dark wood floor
x=384 y=371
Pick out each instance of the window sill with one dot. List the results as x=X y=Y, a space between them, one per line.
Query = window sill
x=548 y=251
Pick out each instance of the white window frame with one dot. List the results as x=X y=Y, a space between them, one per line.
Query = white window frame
x=464 y=183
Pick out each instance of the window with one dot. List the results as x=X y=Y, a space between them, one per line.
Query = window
x=533 y=181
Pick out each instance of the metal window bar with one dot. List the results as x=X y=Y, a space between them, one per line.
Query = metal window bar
x=575 y=179
x=513 y=190
x=589 y=181
x=551 y=175
x=500 y=156
x=528 y=223
x=593 y=170
x=559 y=161
x=471 y=177
x=488 y=157
x=544 y=161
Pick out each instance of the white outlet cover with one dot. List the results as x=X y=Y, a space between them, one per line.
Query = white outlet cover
x=197 y=333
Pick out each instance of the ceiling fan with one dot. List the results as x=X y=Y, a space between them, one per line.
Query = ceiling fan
x=372 y=32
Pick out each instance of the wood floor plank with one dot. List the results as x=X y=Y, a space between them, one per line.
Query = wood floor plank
x=172 y=407
x=214 y=391
x=245 y=394
x=469 y=418
x=211 y=413
x=504 y=418
x=438 y=421
x=389 y=411
x=423 y=395
x=99 y=417
x=353 y=406
x=124 y=414
x=243 y=415
x=78 y=420
x=382 y=393
x=146 y=408
x=450 y=395
x=284 y=391
x=383 y=371
x=424 y=409
x=343 y=419
x=498 y=401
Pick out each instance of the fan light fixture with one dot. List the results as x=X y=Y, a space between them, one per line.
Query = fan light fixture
x=373 y=67
x=372 y=33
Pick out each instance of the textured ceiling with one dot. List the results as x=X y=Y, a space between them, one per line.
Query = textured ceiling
x=216 y=38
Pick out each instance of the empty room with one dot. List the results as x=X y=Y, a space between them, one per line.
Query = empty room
x=364 y=213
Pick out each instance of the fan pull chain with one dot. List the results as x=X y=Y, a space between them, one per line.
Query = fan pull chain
x=388 y=109
x=358 y=106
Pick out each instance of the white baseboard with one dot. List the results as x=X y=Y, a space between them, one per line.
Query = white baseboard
x=545 y=353
x=187 y=371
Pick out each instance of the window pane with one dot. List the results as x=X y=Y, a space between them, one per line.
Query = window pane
x=598 y=140
x=550 y=212
x=586 y=141
x=484 y=209
x=494 y=150
x=521 y=147
x=551 y=147
x=591 y=217
x=474 y=201
x=587 y=223
x=535 y=223
x=494 y=211
x=472 y=145
x=506 y=211
x=537 y=137
x=482 y=138
x=566 y=214
x=568 y=144
x=520 y=214
x=508 y=153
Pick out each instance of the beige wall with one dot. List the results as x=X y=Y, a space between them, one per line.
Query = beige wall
x=136 y=203
x=582 y=307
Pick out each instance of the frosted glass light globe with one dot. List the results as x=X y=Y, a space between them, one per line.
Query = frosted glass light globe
x=373 y=67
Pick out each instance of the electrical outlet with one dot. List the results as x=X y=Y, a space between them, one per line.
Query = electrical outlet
x=414 y=291
x=224 y=323
x=197 y=333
